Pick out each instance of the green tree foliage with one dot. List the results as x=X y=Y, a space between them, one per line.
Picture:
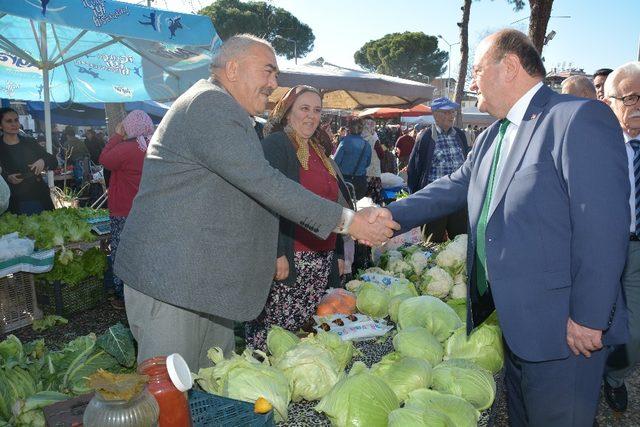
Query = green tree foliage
x=264 y=20
x=409 y=55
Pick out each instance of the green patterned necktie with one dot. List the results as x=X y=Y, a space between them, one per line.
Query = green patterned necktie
x=481 y=231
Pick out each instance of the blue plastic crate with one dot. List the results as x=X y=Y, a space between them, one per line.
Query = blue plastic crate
x=209 y=410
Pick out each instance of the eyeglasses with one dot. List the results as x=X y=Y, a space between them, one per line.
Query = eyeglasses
x=628 y=100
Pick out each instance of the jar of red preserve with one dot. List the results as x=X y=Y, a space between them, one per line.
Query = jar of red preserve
x=169 y=379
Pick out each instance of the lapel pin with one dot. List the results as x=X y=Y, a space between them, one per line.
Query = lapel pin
x=533 y=116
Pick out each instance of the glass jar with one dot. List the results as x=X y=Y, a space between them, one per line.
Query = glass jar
x=141 y=411
x=173 y=403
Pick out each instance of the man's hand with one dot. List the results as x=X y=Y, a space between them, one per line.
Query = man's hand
x=582 y=339
x=373 y=226
x=14 y=179
x=37 y=167
x=282 y=268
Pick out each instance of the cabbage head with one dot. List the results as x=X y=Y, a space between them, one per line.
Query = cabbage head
x=400 y=266
x=416 y=341
x=353 y=285
x=373 y=300
x=245 y=378
x=431 y=313
x=402 y=287
x=311 y=370
x=459 y=305
x=394 y=305
x=403 y=375
x=436 y=282
x=361 y=399
x=461 y=412
x=279 y=340
x=465 y=379
x=483 y=346
x=342 y=350
x=410 y=417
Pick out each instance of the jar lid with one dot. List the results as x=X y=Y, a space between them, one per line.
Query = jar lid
x=179 y=372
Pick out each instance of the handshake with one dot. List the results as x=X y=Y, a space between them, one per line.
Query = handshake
x=373 y=226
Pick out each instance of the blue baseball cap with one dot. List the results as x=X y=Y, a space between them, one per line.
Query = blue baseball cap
x=443 y=104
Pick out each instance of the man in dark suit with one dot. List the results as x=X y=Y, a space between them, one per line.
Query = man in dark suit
x=440 y=150
x=547 y=190
x=622 y=93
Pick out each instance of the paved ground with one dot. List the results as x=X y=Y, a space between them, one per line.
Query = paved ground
x=100 y=319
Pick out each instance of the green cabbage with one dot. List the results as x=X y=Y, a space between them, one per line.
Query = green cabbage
x=373 y=300
x=279 y=340
x=402 y=287
x=483 y=346
x=431 y=313
x=403 y=374
x=245 y=378
x=311 y=370
x=418 y=342
x=411 y=417
x=394 y=305
x=464 y=378
x=459 y=305
x=342 y=350
x=361 y=399
x=461 y=412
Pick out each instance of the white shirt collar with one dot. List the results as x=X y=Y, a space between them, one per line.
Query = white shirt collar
x=440 y=129
x=516 y=113
x=627 y=138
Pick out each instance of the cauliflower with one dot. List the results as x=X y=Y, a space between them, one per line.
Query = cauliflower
x=386 y=257
x=419 y=261
x=436 y=282
x=453 y=257
x=459 y=290
x=353 y=285
x=460 y=279
x=400 y=266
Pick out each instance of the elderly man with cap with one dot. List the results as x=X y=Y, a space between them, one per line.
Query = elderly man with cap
x=440 y=149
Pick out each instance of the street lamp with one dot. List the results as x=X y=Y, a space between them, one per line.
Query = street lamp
x=295 y=47
x=449 y=67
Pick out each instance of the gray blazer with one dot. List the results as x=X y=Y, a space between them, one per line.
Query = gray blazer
x=203 y=230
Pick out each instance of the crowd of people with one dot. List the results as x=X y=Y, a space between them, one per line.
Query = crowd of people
x=216 y=220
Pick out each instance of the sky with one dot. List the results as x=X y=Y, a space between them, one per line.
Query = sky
x=590 y=34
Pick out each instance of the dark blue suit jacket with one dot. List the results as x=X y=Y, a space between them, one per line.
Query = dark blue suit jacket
x=422 y=157
x=557 y=237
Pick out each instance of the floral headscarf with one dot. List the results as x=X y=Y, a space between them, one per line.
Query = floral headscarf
x=277 y=122
x=139 y=126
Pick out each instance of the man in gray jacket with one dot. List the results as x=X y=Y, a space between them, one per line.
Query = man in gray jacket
x=199 y=245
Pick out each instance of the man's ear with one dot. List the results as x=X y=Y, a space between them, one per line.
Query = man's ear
x=231 y=70
x=512 y=66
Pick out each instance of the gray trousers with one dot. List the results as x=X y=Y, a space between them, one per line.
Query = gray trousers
x=162 y=329
x=623 y=358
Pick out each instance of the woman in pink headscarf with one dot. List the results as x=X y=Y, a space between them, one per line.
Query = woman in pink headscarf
x=123 y=156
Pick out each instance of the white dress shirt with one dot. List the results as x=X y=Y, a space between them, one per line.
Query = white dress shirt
x=632 y=181
x=515 y=117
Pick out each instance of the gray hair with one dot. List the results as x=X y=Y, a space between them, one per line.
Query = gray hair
x=579 y=86
x=236 y=46
x=630 y=69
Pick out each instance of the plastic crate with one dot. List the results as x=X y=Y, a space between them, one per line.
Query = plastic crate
x=65 y=300
x=18 y=306
x=209 y=410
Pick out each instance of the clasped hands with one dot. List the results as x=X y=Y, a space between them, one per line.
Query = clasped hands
x=373 y=226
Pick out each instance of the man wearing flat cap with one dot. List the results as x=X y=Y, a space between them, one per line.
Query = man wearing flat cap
x=440 y=149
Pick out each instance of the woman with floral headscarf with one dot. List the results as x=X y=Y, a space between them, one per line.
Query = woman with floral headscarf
x=123 y=156
x=293 y=145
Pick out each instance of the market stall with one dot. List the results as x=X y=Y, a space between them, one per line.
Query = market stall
x=390 y=347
